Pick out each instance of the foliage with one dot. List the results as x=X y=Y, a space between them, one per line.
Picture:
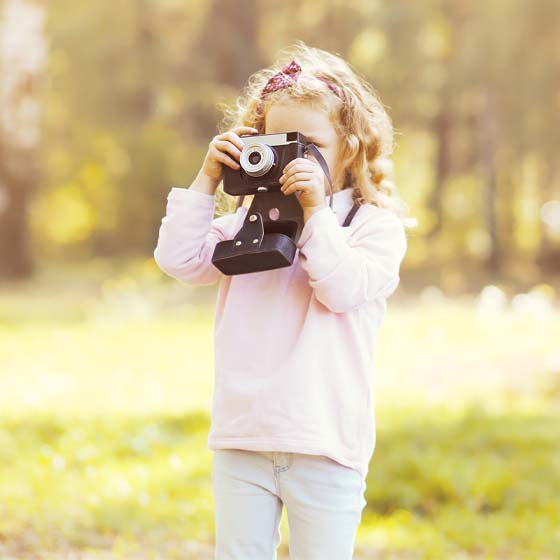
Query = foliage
x=105 y=401
x=130 y=92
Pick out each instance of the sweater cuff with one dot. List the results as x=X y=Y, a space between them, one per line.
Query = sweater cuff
x=321 y=218
x=323 y=245
x=197 y=197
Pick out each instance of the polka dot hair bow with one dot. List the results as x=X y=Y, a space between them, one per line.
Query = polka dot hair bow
x=287 y=76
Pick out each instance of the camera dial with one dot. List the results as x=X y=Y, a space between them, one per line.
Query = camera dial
x=257 y=159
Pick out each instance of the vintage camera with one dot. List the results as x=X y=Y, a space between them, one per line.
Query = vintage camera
x=274 y=221
x=262 y=161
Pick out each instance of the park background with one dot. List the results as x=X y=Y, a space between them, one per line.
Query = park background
x=106 y=363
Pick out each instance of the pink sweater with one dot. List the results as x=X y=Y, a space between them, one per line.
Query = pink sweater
x=294 y=347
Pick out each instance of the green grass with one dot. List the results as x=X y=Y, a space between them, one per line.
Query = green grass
x=106 y=384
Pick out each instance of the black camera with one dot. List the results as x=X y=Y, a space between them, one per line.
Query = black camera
x=262 y=160
x=274 y=221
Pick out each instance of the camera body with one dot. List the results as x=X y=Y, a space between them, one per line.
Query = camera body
x=262 y=161
x=274 y=221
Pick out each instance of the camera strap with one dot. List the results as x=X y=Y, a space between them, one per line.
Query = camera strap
x=319 y=157
x=315 y=151
x=350 y=215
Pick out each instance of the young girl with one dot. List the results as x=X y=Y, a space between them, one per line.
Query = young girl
x=292 y=418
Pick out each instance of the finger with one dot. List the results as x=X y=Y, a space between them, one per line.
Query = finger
x=301 y=185
x=227 y=146
x=296 y=189
x=232 y=137
x=293 y=162
x=239 y=130
x=298 y=176
x=286 y=177
x=299 y=169
x=299 y=163
x=225 y=159
x=243 y=128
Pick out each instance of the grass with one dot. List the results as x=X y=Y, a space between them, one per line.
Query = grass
x=106 y=384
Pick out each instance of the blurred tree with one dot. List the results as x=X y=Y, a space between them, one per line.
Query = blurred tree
x=132 y=97
x=22 y=58
x=228 y=61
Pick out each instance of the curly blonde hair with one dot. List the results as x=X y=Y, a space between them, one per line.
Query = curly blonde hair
x=360 y=121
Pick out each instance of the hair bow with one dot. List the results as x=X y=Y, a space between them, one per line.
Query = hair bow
x=289 y=74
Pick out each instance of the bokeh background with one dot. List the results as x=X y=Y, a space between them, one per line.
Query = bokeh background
x=106 y=364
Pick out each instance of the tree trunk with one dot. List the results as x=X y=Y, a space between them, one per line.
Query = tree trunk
x=229 y=60
x=442 y=130
x=548 y=257
x=22 y=60
x=15 y=254
x=488 y=127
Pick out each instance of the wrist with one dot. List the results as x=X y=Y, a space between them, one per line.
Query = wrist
x=308 y=211
x=204 y=184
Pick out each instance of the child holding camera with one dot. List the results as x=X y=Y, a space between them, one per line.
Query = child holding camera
x=292 y=419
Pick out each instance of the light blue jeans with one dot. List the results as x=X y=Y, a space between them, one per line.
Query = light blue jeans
x=324 y=502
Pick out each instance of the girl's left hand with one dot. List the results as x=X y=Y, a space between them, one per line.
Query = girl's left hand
x=305 y=178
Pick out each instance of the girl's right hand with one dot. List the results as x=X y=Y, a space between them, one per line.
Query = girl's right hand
x=225 y=149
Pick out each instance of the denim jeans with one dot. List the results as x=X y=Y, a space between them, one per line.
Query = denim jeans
x=324 y=502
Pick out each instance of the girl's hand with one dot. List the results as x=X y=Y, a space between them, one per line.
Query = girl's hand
x=224 y=149
x=305 y=178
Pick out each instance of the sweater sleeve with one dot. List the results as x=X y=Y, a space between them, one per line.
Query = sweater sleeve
x=188 y=235
x=347 y=272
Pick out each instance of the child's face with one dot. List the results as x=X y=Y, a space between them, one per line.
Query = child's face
x=315 y=125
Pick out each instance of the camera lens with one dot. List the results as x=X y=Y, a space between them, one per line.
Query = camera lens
x=257 y=159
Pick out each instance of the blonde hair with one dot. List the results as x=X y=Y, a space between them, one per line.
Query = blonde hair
x=361 y=122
